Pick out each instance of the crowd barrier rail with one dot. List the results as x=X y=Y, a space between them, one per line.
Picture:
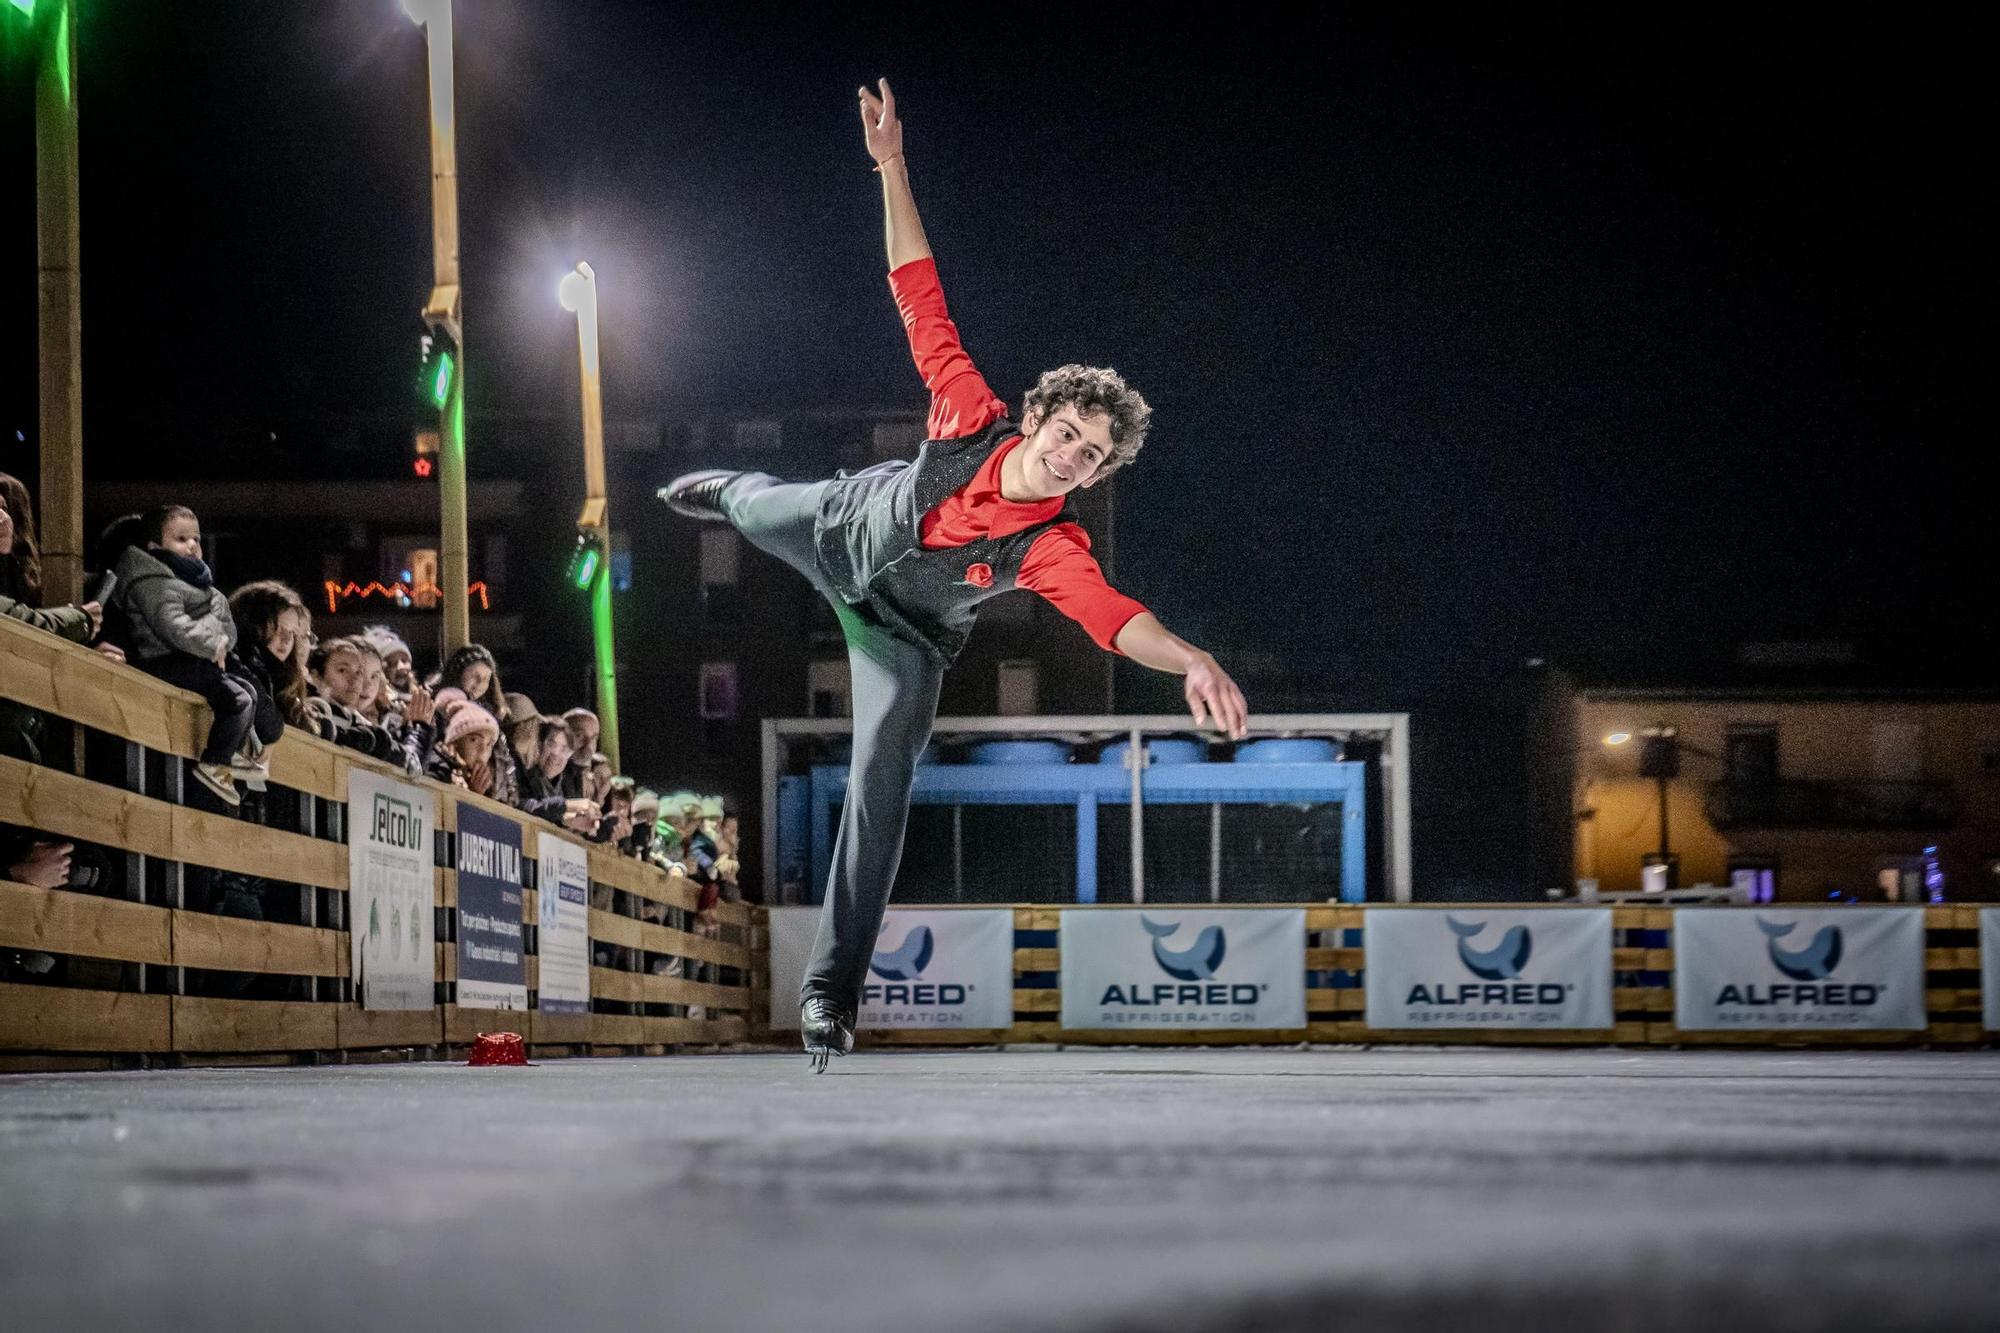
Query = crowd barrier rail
x=127 y=959
x=1335 y=963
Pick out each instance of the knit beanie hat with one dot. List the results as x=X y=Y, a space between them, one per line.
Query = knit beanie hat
x=386 y=641
x=466 y=721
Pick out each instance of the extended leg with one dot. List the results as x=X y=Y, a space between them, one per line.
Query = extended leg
x=895 y=688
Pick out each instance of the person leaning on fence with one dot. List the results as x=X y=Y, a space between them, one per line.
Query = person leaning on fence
x=398 y=676
x=464 y=757
x=21 y=727
x=341 y=679
x=584 y=729
x=541 y=783
x=182 y=632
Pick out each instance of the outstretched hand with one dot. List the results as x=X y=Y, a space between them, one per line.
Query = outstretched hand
x=1213 y=699
x=883 y=131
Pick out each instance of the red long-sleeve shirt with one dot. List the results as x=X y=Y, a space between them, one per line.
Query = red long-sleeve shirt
x=1059 y=565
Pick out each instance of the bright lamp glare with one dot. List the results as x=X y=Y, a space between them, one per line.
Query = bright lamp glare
x=423 y=11
x=570 y=291
x=26 y=7
x=1618 y=738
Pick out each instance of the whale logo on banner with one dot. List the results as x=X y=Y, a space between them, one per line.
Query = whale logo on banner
x=1797 y=970
x=1546 y=968
x=1195 y=963
x=907 y=961
x=1815 y=962
x=931 y=969
x=1168 y=967
x=1501 y=963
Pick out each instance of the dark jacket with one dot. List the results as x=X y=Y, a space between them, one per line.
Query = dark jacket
x=67 y=622
x=540 y=797
x=870 y=545
x=167 y=614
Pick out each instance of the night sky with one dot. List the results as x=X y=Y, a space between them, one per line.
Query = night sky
x=1548 y=335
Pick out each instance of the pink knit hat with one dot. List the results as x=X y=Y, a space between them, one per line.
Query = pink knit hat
x=467 y=719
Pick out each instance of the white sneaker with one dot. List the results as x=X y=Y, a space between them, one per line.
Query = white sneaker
x=216 y=778
x=252 y=773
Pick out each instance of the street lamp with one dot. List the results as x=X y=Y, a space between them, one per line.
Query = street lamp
x=444 y=314
x=591 y=568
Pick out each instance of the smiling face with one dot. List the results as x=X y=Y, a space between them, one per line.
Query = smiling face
x=398 y=668
x=1062 y=452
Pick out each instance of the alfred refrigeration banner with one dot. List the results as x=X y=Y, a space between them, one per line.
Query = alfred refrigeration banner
x=562 y=900
x=931 y=968
x=1801 y=968
x=1183 y=968
x=1989 y=963
x=492 y=973
x=392 y=938
x=1474 y=968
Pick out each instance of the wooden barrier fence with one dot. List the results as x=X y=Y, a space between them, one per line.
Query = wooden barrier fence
x=1335 y=963
x=128 y=958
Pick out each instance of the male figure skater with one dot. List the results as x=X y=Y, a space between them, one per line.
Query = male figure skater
x=907 y=551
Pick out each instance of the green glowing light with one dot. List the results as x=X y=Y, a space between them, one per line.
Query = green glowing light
x=25 y=6
x=440 y=386
x=585 y=569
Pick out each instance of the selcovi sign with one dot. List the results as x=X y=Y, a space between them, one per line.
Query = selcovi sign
x=1812 y=967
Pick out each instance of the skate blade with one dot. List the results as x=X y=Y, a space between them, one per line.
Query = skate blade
x=816 y=1060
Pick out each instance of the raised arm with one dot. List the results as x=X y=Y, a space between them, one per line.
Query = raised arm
x=902 y=229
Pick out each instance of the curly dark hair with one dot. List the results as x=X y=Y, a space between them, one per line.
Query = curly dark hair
x=1092 y=390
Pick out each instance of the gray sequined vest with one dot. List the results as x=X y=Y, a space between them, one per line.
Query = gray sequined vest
x=870 y=544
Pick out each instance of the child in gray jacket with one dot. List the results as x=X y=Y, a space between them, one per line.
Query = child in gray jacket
x=181 y=631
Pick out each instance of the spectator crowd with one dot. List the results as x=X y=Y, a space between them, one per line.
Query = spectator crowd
x=253 y=657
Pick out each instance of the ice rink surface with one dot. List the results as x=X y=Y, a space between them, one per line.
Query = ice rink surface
x=1159 y=1190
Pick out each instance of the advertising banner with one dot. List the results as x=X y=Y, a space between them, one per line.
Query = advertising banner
x=562 y=885
x=1989 y=964
x=492 y=973
x=1183 y=968
x=391 y=892
x=1827 y=969
x=1544 y=968
x=932 y=968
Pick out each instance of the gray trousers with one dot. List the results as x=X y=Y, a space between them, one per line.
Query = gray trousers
x=895 y=690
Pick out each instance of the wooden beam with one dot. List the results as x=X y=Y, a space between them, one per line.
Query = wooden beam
x=65 y=921
x=53 y=1018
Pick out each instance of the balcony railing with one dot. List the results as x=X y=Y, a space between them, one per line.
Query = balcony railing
x=1845 y=805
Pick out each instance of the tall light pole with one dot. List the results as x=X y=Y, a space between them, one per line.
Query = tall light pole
x=445 y=315
x=61 y=322
x=578 y=294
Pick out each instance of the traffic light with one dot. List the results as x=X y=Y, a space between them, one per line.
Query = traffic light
x=438 y=367
x=423 y=454
x=585 y=559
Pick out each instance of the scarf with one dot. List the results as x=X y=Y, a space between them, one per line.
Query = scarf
x=185 y=568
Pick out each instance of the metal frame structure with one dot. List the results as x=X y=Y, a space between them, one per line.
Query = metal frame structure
x=1089 y=784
